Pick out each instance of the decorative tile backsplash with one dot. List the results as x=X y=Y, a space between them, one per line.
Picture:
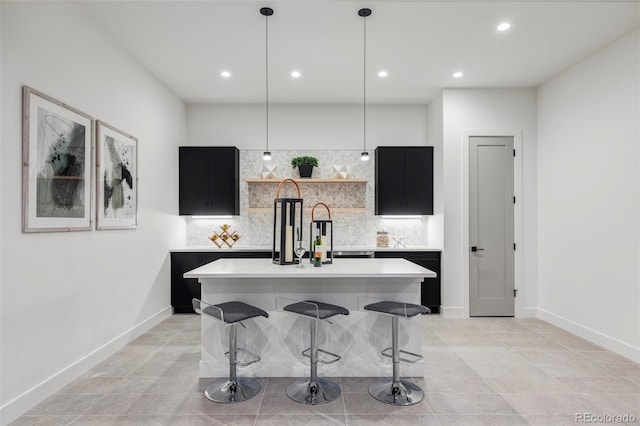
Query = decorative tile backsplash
x=352 y=227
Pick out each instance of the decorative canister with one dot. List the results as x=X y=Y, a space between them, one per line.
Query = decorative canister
x=382 y=239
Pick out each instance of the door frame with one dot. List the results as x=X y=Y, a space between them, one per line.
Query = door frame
x=517 y=214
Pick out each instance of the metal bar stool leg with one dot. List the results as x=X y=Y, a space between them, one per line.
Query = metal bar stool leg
x=396 y=350
x=313 y=375
x=314 y=390
x=396 y=391
x=233 y=389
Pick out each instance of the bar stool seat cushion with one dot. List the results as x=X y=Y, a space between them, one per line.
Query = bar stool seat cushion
x=324 y=310
x=234 y=311
x=397 y=308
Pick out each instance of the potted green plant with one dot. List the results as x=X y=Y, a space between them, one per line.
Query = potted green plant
x=305 y=165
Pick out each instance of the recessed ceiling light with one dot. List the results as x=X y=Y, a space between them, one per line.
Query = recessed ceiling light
x=295 y=74
x=458 y=74
x=225 y=74
x=504 y=26
x=383 y=74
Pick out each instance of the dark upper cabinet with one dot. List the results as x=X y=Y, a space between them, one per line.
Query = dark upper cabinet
x=404 y=180
x=209 y=180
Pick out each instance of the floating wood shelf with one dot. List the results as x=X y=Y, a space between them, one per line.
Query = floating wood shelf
x=347 y=194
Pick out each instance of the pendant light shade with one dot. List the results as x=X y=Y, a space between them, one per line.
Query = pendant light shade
x=364 y=156
x=266 y=12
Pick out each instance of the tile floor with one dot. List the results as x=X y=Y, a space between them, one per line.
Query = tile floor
x=478 y=371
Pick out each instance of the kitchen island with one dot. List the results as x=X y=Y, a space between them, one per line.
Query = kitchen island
x=280 y=339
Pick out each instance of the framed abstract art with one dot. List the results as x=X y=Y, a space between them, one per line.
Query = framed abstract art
x=57 y=145
x=116 y=177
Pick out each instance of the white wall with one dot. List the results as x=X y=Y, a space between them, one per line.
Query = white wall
x=482 y=112
x=588 y=197
x=299 y=126
x=328 y=127
x=1 y=207
x=435 y=137
x=65 y=296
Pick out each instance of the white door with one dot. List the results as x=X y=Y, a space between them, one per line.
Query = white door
x=491 y=240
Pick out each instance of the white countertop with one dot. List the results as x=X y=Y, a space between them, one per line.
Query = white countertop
x=341 y=268
x=212 y=248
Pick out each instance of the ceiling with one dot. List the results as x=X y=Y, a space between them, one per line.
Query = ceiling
x=186 y=44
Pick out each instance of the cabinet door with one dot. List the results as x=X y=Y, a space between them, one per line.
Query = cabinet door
x=418 y=180
x=404 y=180
x=185 y=289
x=224 y=181
x=431 y=296
x=430 y=293
x=209 y=180
x=193 y=177
x=390 y=182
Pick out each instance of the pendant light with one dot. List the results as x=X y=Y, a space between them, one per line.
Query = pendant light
x=364 y=156
x=266 y=12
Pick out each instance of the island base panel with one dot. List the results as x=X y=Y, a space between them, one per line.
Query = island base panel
x=280 y=339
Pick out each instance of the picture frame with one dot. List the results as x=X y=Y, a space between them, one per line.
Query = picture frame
x=116 y=178
x=57 y=152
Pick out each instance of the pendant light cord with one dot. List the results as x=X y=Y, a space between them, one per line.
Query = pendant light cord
x=364 y=89
x=266 y=73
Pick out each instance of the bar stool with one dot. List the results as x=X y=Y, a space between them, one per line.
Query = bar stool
x=315 y=390
x=233 y=389
x=396 y=391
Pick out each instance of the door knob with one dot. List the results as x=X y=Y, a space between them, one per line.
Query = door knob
x=475 y=249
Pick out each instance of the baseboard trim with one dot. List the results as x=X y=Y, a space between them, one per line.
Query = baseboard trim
x=601 y=339
x=528 y=313
x=32 y=397
x=453 y=312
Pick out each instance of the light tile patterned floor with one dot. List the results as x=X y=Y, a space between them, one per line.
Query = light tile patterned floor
x=477 y=371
